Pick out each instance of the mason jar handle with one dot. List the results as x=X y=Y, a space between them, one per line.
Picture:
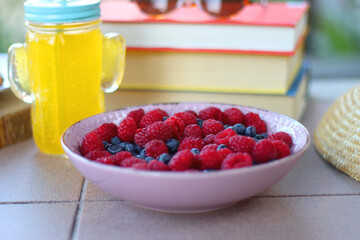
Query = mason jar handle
x=18 y=72
x=113 y=63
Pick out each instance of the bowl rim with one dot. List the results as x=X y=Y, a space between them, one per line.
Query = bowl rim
x=185 y=174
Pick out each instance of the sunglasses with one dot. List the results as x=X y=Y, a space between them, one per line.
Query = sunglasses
x=215 y=8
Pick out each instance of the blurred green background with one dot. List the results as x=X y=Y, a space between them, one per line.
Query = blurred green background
x=335 y=29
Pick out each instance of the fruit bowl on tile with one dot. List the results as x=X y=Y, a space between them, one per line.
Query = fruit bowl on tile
x=156 y=161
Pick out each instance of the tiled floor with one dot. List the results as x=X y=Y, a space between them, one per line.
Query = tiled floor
x=44 y=197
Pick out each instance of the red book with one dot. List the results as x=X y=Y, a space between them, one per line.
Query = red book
x=276 y=29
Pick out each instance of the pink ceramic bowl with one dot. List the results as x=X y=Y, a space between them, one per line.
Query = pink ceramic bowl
x=184 y=191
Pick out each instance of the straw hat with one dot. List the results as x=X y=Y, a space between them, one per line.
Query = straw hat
x=337 y=136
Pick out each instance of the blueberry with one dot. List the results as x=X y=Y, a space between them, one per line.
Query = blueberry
x=114 y=148
x=106 y=144
x=141 y=156
x=123 y=144
x=232 y=128
x=165 y=158
x=172 y=145
x=199 y=122
x=195 y=151
x=143 y=152
x=209 y=170
x=239 y=128
x=226 y=126
x=250 y=131
x=148 y=159
x=164 y=118
x=221 y=146
x=138 y=148
x=131 y=148
x=115 y=140
x=261 y=136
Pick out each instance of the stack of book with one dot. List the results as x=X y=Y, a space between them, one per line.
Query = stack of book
x=254 y=58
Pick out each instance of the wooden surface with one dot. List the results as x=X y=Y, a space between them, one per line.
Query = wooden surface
x=15 y=123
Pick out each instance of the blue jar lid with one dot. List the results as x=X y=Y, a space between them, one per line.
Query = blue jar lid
x=61 y=11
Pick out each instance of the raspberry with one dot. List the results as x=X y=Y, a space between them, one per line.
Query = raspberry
x=192 y=112
x=152 y=116
x=253 y=119
x=222 y=118
x=120 y=156
x=250 y=118
x=282 y=148
x=127 y=129
x=137 y=115
x=210 y=159
x=224 y=152
x=177 y=126
x=224 y=136
x=197 y=163
x=193 y=130
x=241 y=143
x=209 y=113
x=283 y=136
x=91 y=142
x=236 y=160
x=141 y=166
x=128 y=162
x=234 y=116
x=155 y=148
x=190 y=143
x=141 y=137
x=182 y=161
x=263 y=151
x=187 y=117
x=191 y=170
x=159 y=131
x=158 y=166
x=212 y=126
x=260 y=127
x=210 y=138
x=107 y=131
x=213 y=146
x=105 y=160
x=93 y=155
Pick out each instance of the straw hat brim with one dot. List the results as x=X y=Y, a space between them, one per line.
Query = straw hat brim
x=337 y=136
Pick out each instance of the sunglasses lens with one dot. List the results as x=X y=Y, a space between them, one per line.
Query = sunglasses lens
x=222 y=8
x=156 y=7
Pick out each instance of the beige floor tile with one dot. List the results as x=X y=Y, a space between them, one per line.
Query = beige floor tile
x=36 y=221
x=36 y=177
x=93 y=193
x=256 y=218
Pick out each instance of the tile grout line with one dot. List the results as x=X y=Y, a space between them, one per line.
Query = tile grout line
x=39 y=202
x=119 y=200
x=58 y=202
x=75 y=225
x=312 y=195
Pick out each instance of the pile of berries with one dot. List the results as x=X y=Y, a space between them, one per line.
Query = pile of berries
x=186 y=141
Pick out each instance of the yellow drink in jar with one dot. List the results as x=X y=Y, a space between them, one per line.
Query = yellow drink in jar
x=60 y=65
x=64 y=67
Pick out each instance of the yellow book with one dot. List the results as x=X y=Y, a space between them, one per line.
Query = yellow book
x=291 y=104
x=211 y=72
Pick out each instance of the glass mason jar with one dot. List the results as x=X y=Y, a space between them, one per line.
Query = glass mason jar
x=64 y=66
